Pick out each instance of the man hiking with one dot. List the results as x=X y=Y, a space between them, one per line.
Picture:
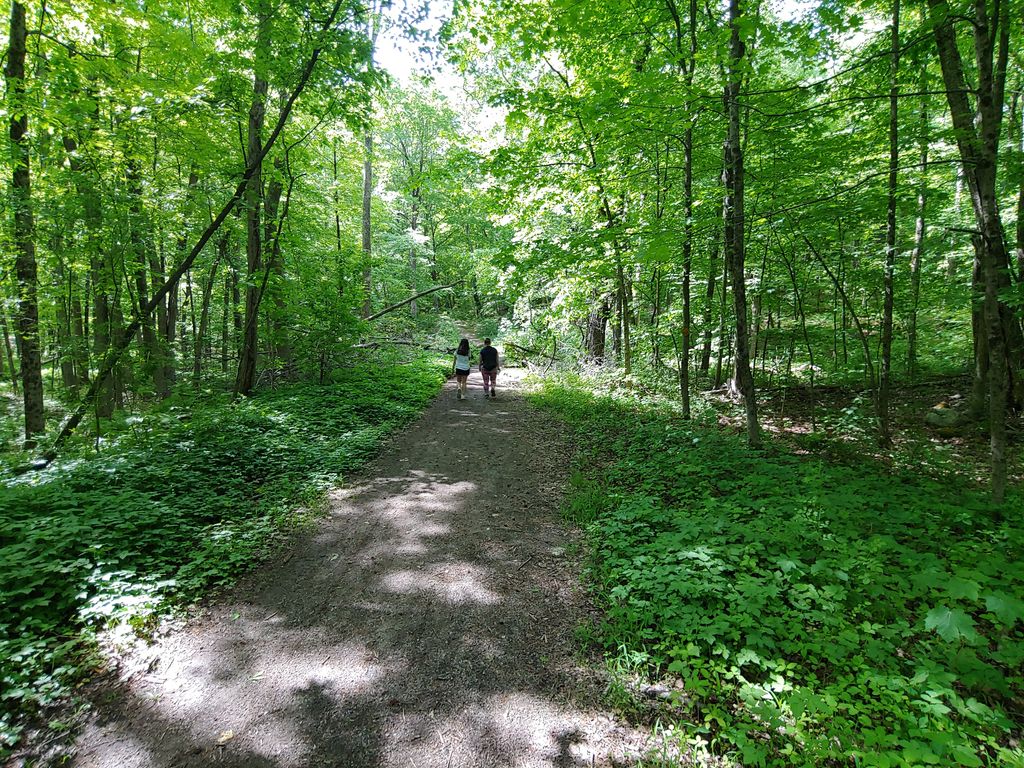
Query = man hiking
x=489 y=366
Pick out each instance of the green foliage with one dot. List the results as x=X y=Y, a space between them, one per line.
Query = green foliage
x=183 y=503
x=815 y=613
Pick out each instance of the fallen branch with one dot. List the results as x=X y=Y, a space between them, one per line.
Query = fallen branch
x=535 y=352
x=377 y=343
x=411 y=299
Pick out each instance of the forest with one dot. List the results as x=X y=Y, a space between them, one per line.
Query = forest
x=763 y=261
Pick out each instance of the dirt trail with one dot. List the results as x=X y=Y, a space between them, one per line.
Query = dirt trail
x=428 y=621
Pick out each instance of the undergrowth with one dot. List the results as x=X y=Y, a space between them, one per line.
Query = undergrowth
x=812 y=613
x=175 y=507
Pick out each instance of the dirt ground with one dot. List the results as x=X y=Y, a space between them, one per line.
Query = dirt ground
x=427 y=621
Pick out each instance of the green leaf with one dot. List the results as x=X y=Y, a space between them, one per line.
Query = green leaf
x=952 y=625
x=1008 y=609
x=963 y=588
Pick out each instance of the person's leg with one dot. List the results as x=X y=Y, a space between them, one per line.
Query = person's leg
x=488 y=377
x=494 y=379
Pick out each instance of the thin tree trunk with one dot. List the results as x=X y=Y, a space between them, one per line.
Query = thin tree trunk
x=225 y=336
x=705 y=357
x=735 y=248
x=684 y=366
x=8 y=348
x=919 y=230
x=623 y=302
x=246 y=377
x=140 y=246
x=204 y=314
x=27 y=325
x=977 y=137
x=890 y=229
x=367 y=232
x=65 y=338
x=597 y=323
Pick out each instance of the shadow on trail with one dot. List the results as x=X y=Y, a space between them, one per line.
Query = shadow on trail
x=426 y=622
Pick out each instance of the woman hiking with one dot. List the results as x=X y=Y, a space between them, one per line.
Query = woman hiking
x=460 y=367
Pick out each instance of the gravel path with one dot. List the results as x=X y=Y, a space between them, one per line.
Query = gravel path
x=427 y=621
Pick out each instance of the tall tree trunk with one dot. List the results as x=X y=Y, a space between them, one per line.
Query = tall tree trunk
x=978 y=143
x=1017 y=117
x=225 y=336
x=65 y=337
x=141 y=250
x=623 y=292
x=27 y=326
x=246 y=377
x=367 y=233
x=101 y=278
x=919 y=229
x=684 y=365
x=890 y=229
x=709 y=300
x=735 y=248
x=9 y=349
x=597 y=323
x=204 y=313
x=275 y=216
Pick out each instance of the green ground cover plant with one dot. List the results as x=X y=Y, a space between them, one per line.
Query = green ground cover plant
x=815 y=613
x=178 y=505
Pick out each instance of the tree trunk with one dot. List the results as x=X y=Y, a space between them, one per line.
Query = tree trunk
x=977 y=137
x=735 y=249
x=141 y=249
x=204 y=313
x=65 y=337
x=275 y=216
x=597 y=323
x=246 y=377
x=27 y=325
x=919 y=230
x=623 y=302
x=890 y=229
x=684 y=365
x=367 y=233
x=9 y=349
x=705 y=357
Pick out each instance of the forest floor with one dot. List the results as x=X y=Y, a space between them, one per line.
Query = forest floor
x=428 y=620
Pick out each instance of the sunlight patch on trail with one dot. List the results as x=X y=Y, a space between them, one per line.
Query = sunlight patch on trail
x=456 y=583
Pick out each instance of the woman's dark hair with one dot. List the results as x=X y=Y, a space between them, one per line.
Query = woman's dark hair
x=464 y=347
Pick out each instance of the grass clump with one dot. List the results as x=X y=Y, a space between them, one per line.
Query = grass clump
x=816 y=614
x=173 y=508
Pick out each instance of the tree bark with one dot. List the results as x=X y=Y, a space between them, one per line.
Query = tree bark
x=977 y=137
x=919 y=229
x=246 y=377
x=204 y=313
x=27 y=324
x=684 y=365
x=597 y=323
x=890 y=228
x=735 y=248
x=623 y=302
x=367 y=232
x=141 y=247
